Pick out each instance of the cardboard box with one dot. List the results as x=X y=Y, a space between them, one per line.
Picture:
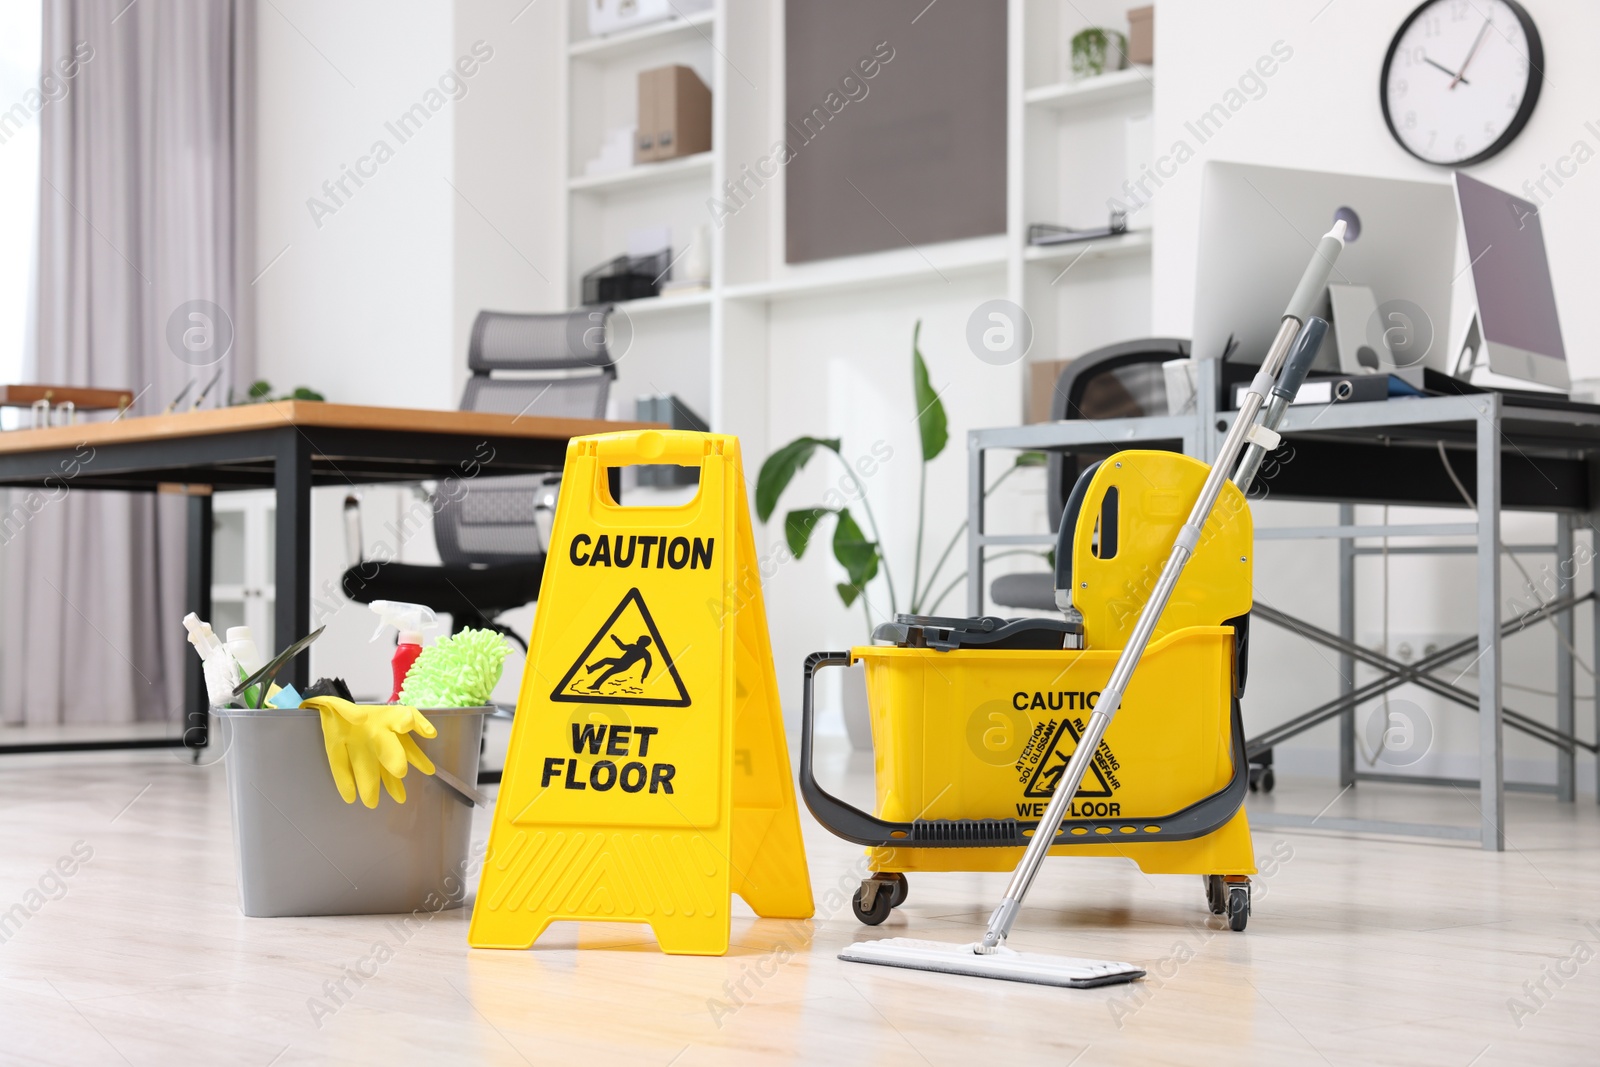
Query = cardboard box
x=1042 y=375
x=674 y=114
x=1142 y=34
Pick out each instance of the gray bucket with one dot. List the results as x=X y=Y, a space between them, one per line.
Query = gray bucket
x=303 y=851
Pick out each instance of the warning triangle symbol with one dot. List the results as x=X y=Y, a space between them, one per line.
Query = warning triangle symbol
x=626 y=662
x=1047 y=776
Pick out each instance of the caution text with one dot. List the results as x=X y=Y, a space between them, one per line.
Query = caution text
x=645 y=551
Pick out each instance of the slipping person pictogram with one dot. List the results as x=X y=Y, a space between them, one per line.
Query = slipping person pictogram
x=642 y=670
x=636 y=652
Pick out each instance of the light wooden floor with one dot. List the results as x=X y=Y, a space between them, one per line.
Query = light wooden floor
x=1359 y=952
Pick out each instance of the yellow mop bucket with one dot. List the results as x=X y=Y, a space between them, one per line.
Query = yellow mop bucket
x=974 y=720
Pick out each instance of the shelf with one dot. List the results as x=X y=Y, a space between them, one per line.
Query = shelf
x=661 y=305
x=655 y=35
x=932 y=263
x=643 y=175
x=1120 y=85
x=1129 y=244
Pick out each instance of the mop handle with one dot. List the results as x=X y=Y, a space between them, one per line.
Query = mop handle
x=1283 y=394
x=1044 y=835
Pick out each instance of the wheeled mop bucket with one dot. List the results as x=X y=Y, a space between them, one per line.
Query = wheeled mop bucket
x=974 y=720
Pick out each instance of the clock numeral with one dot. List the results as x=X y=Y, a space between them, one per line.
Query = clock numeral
x=1410 y=120
x=1433 y=135
x=1461 y=145
x=1400 y=87
x=1488 y=128
x=1431 y=26
x=1512 y=101
x=1459 y=9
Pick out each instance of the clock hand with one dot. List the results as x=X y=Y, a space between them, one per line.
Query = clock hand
x=1476 y=42
x=1444 y=68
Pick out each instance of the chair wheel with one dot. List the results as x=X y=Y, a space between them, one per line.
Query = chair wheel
x=1216 y=893
x=881 y=903
x=1238 y=907
x=900 y=889
x=1268 y=780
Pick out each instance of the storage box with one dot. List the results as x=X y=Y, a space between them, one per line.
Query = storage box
x=302 y=850
x=1142 y=34
x=674 y=115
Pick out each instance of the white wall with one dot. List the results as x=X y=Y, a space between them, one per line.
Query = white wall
x=1321 y=111
x=372 y=303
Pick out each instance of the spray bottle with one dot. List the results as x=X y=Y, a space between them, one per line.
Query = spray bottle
x=221 y=671
x=410 y=620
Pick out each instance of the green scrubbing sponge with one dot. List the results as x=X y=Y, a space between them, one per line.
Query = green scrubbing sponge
x=458 y=671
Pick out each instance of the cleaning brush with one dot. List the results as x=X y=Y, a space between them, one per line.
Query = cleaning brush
x=458 y=671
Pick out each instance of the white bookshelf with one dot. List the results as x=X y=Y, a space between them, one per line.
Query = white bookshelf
x=634 y=42
x=1067 y=154
x=1135 y=83
x=642 y=175
x=1136 y=243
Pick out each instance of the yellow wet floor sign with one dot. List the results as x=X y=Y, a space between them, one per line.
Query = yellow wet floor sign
x=648 y=777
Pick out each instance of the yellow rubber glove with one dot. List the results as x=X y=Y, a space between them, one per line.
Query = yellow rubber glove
x=369 y=744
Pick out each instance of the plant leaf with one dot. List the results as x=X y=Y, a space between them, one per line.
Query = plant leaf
x=259 y=390
x=1032 y=459
x=931 y=421
x=847 y=593
x=780 y=468
x=799 y=525
x=855 y=553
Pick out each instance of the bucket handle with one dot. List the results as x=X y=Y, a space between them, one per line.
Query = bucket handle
x=851 y=823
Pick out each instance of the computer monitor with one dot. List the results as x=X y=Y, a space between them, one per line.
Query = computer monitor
x=1258 y=225
x=1517 y=326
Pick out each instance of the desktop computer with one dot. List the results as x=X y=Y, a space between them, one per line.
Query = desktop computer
x=1256 y=224
x=1390 y=296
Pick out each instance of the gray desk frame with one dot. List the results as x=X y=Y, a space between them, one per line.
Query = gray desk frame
x=1200 y=433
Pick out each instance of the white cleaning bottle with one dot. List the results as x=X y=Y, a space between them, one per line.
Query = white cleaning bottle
x=410 y=620
x=221 y=672
x=242 y=647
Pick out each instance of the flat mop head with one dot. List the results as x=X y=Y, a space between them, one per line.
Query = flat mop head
x=1003 y=963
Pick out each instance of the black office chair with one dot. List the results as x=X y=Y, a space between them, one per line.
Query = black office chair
x=1118 y=381
x=492 y=533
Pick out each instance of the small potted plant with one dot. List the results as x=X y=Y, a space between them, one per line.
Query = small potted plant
x=1095 y=51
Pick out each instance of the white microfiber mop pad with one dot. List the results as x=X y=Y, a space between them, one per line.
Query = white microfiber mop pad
x=1003 y=963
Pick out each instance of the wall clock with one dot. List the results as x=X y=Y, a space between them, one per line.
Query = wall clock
x=1461 y=79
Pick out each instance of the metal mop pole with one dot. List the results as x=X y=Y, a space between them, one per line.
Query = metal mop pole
x=1305 y=296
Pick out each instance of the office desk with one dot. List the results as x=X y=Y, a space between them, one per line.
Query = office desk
x=1510 y=453
x=289 y=447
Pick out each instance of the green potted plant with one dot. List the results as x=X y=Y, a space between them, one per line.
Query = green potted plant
x=1095 y=51
x=862 y=556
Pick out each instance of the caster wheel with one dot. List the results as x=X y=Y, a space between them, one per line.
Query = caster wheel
x=1238 y=907
x=1216 y=893
x=900 y=888
x=881 y=903
x=1268 y=780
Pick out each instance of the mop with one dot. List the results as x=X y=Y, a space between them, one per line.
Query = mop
x=990 y=958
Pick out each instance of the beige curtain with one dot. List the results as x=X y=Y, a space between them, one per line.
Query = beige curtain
x=144 y=209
